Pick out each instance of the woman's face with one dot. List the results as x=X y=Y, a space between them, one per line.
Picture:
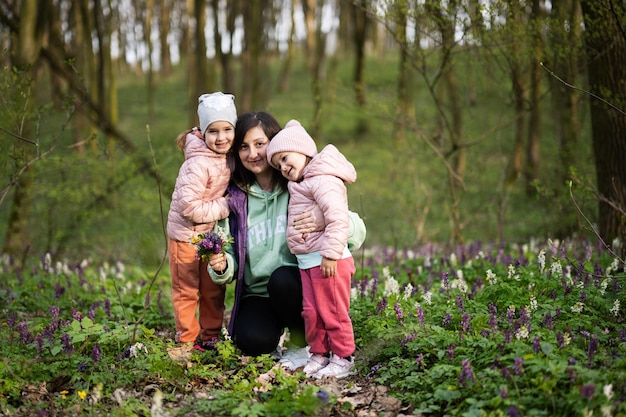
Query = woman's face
x=253 y=149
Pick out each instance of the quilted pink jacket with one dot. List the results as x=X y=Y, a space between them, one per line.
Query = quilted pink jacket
x=198 y=198
x=323 y=184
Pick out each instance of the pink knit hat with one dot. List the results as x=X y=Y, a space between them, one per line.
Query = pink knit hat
x=293 y=138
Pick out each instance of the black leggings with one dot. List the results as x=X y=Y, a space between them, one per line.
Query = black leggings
x=261 y=321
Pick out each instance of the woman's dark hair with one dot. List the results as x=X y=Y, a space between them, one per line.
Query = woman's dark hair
x=246 y=121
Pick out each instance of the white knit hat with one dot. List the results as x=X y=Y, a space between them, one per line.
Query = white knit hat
x=293 y=138
x=214 y=107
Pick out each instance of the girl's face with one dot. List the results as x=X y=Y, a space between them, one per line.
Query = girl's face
x=253 y=150
x=219 y=136
x=291 y=164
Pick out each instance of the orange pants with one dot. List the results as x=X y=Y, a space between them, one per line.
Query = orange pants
x=193 y=289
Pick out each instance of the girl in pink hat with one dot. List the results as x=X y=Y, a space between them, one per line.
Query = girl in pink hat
x=325 y=262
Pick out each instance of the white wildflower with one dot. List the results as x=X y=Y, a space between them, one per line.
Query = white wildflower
x=491 y=277
x=587 y=412
x=556 y=269
x=511 y=309
x=408 y=291
x=453 y=259
x=578 y=307
x=386 y=273
x=533 y=303
x=511 y=273
x=567 y=339
x=615 y=309
x=460 y=284
x=459 y=274
x=608 y=391
x=606 y=411
x=542 y=260
x=522 y=333
x=427 y=297
x=613 y=267
x=354 y=294
x=225 y=333
x=603 y=285
x=481 y=255
x=137 y=347
x=391 y=287
x=120 y=395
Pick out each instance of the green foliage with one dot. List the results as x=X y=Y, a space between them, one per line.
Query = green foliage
x=543 y=333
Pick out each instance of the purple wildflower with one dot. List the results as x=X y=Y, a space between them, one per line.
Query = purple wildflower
x=25 y=334
x=459 y=303
x=107 y=307
x=92 y=312
x=560 y=340
x=76 y=315
x=55 y=312
x=447 y=319
x=420 y=315
x=467 y=374
x=82 y=366
x=58 y=291
x=420 y=360
x=503 y=392
x=381 y=306
x=450 y=351
x=399 y=313
x=323 y=396
x=444 y=278
x=67 y=343
x=407 y=339
x=513 y=412
x=536 y=344
x=95 y=353
x=583 y=297
x=465 y=323
x=507 y=336
x=571 y=361
x=593 y=347
x=587 y=391
x=519 y=366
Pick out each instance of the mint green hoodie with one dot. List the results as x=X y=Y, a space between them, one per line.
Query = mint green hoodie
x=266 y=246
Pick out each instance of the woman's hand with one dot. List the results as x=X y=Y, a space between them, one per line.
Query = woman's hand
x=218 y=263
x=311 y=220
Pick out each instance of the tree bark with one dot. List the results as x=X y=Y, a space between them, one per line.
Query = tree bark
x=605 y=43
x=360 y=20
x=531 y=171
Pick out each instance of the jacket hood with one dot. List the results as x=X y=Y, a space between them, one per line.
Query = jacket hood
x=195 y=146
x=331 y=162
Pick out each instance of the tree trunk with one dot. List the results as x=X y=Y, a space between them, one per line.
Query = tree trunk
x=405 y=111
x=531 y=173
x=253 y=61
x=283 y=80
x=165 y=7
x=360 y=20
x=564 y=43
x=606 y=60
x=315 y=44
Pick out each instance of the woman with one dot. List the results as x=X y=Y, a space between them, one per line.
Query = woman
x=268 y=292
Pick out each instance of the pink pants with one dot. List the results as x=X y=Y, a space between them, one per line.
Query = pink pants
x=326 y=309
x=193 y=289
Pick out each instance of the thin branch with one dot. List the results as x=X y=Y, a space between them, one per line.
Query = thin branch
x=15 y=135
x=582 y=90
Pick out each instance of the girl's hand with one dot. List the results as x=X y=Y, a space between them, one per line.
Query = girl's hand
x=329 y=267
x=218 y=262
x=311 y=220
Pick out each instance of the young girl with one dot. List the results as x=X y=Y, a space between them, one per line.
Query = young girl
x=198 y=202
x=326 y=265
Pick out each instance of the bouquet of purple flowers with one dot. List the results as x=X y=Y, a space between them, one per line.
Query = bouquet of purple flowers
x=213 y=243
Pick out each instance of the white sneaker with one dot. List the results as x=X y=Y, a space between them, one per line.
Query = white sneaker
x=337 y=368
x=295 y=358
x=315 y=363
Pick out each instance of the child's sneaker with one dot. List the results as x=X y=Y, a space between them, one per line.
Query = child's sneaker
x=316 y=362
x=295 y=358
x=337 y=368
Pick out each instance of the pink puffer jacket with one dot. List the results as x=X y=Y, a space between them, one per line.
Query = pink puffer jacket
x=323 y=184
x=198 y=198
